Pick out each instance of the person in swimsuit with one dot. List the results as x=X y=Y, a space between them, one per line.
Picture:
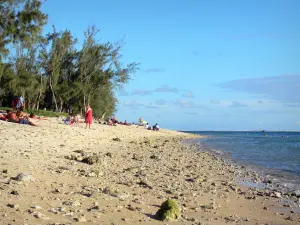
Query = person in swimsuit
x=12 y=117
x=32 y=116
x=88 y=116
x=24 y=118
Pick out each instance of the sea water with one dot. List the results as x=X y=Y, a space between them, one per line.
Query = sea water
x=278 y=153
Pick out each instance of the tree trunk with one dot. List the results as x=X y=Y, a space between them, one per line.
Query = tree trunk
x=54 y=98
x=24 y=97
x=40 y=94
x=103 y=115
x=38 y=101
x=89 y=98
x=84 y=101
x=61 y=105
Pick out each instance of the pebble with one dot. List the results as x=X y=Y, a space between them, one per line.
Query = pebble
x=36 y=207
x=13 y=206
x=24 y=177
x=296 y=193
x=289 y=218
x=40 y=216
x=69 y=214
x=81 y=219
x=277 y=194
x=14 y=192
x=76 y=203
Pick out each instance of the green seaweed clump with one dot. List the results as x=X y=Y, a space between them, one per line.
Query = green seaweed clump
x=169 y=211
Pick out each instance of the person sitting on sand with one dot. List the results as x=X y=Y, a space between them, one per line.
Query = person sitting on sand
x=72 y=119
x=20 y=113
x=76 y=119
x=2 y=117
x=155 y=127
x=67 y=120
x=141 y=121
x=114 y=120
x=88 y=117
x=146 y=126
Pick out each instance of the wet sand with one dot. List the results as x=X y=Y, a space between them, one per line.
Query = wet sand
x=132 y=172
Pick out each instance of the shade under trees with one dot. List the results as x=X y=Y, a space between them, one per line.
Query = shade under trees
x=49 y=71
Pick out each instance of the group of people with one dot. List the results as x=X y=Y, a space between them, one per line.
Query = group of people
x=17 y=115
x=74 y=119
x=113 y=121
x=146 y=125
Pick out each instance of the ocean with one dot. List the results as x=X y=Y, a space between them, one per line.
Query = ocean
x=276 y=153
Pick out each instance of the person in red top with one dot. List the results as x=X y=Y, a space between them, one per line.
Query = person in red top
x=88 y=116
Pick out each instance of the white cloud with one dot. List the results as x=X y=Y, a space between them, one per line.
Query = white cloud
x=186 y=104
x=237 y=104
x=280 y=88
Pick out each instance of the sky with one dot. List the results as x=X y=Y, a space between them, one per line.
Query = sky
x=203 y=65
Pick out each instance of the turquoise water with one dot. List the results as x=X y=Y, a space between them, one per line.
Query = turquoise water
x=279 y=151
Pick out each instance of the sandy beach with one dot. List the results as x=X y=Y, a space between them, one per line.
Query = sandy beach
x=59 y=174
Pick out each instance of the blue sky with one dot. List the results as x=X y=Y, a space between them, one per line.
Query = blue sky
x=204 y=65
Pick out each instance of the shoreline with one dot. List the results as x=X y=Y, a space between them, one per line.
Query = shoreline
x=259 y=177
x=136 y=170
x=288 y=180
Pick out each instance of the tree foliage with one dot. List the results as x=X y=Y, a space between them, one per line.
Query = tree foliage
x=49 y=71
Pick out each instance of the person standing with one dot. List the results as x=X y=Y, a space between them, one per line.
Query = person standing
x=21 y=103
x=88 y=116
x=14 y=103
x=18 y=103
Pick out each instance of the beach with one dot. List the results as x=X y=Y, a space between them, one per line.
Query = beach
x=61 y=174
